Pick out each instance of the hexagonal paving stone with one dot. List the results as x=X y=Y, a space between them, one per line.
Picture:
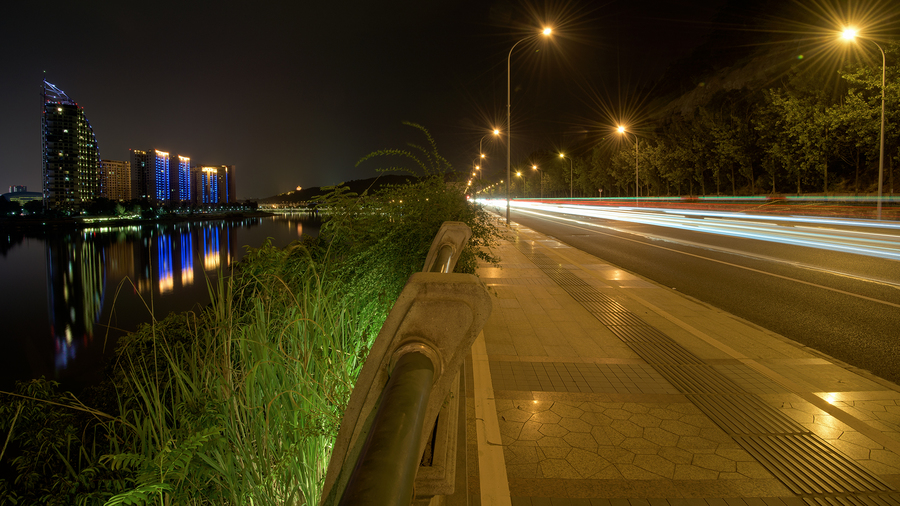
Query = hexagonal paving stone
x=566 y=410
x=552 y=429
x=607 y=436
x=558 y=468
x=714 y=462
x=627 y=428
x=664 y=414
x=530 y=431
x=676 y=455
x=618 y=414
x=546 y=417
x=553 y=452
x=521 y=454
x=633 y=407
x=596 y=418
x=692 y=443
x=575 y=425
x=534 y=406
x=616 y=455
x=679 y=427
x=552 y=441
x=511 y=429
x=581 y=440
x=753 y=470
x=586 y=463
x=660 y=436
x=514 y=415
x=655 y=464
x=644 y=420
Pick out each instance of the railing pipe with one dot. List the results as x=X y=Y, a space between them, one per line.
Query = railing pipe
x=386 y=470
x=444 y=261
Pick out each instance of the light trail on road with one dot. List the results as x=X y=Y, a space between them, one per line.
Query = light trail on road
x=880 y=239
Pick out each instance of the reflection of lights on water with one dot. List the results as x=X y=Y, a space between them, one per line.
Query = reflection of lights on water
x=187 y=259
x=166 y=276
x=299 y=229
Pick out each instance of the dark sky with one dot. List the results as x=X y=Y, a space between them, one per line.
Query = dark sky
x=294 y=93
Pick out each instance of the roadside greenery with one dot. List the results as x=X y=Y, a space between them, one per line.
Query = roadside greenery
x=239 y=403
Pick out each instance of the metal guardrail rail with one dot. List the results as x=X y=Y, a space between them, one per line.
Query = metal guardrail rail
x=407 y=376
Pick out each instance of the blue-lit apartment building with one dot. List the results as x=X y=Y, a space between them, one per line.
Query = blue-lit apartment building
x=213 y=184
x=160 y=177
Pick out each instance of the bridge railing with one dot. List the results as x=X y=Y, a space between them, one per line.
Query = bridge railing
x=407 y=379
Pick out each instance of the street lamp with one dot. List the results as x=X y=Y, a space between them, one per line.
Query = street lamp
x=851 y=34
x=545 y=32
x=571 y=174
x=540 y=175
x=494 y=132
x=636 y=188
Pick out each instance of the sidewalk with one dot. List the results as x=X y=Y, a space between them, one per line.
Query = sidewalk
x=593 y=386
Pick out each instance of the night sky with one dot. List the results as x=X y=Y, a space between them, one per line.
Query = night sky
x=294 y=93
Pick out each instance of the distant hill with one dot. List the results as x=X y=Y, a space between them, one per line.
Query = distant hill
x=357 y=186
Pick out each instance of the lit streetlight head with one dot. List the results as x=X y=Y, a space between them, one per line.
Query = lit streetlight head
x=534 y=167
x=519 y=173
x=547 y=31
x=562 y=155
x=621 y=129
x=482 y=155
x=849 y=33
x=496 y=132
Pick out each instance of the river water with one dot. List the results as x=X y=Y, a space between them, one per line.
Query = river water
x=65 y=297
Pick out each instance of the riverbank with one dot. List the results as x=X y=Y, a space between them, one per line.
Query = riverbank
x=28 y=223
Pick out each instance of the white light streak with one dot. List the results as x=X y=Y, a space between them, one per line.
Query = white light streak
x=833 y=234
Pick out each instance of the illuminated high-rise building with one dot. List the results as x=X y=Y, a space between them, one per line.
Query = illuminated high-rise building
x=180 y=179
x=226 y=184
x=205 y=184
x=158 y=161
x=116 y=180
x=140 y=174
x=70 y=156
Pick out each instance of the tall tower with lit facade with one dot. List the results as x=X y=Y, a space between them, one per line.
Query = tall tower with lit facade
x=140 y=174
x=158 y=161
x=70 y=156
x=206 y=185
x=181 y=179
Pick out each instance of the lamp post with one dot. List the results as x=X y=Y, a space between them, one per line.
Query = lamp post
x=546 y=31
x=540 y=175
x=849 y=35
x=571 y=175
x=636 y=187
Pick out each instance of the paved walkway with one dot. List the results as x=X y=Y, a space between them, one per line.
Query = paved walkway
x=593 y=386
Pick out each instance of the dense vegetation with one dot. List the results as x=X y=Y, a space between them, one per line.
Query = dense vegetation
x=758 y=126
x=239 y=404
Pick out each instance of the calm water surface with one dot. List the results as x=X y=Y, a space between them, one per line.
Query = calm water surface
x=66 y=296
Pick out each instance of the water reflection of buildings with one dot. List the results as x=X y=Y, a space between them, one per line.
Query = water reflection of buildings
x=161 y=259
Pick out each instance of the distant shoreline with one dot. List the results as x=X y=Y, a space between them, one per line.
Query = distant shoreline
x=37 y=223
